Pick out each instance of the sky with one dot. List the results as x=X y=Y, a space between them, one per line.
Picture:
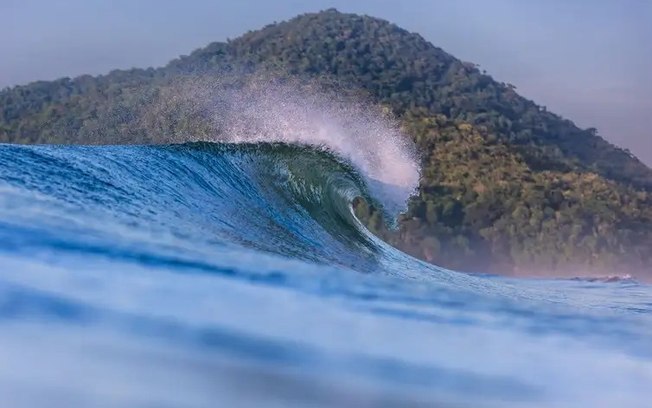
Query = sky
x=588 y=60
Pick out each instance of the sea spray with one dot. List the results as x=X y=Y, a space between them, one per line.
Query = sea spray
x=264 y=109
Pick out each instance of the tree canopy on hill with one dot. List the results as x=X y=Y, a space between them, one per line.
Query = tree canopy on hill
x=506 y=186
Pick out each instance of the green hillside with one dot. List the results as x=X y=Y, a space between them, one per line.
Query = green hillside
x=507 y=186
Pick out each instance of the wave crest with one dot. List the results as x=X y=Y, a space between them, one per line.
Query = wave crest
x=263 y=110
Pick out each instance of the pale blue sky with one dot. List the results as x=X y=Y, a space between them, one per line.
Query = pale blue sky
x=589 y=60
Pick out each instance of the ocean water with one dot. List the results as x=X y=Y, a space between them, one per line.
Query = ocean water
x=235 y=275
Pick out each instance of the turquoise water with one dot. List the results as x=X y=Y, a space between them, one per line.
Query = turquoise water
x=206 y=275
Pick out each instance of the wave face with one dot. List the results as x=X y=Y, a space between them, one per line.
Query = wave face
x=235 y=274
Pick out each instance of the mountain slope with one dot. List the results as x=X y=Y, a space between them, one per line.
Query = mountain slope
x=507 y=185
x=405 y=71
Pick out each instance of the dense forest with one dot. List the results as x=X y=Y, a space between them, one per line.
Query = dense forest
x=506 y=186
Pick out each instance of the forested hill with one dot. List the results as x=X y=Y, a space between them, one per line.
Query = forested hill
x=507 y=185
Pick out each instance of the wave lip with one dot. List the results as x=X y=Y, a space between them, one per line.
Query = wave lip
x=262 y=111
x=293 y=201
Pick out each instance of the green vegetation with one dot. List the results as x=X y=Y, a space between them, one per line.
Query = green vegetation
x=507 y=186
x=482 y=207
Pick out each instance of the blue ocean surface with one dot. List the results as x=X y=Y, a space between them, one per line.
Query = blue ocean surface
x=236 y=275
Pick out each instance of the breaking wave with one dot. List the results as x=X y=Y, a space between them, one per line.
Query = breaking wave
x=231 y=271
